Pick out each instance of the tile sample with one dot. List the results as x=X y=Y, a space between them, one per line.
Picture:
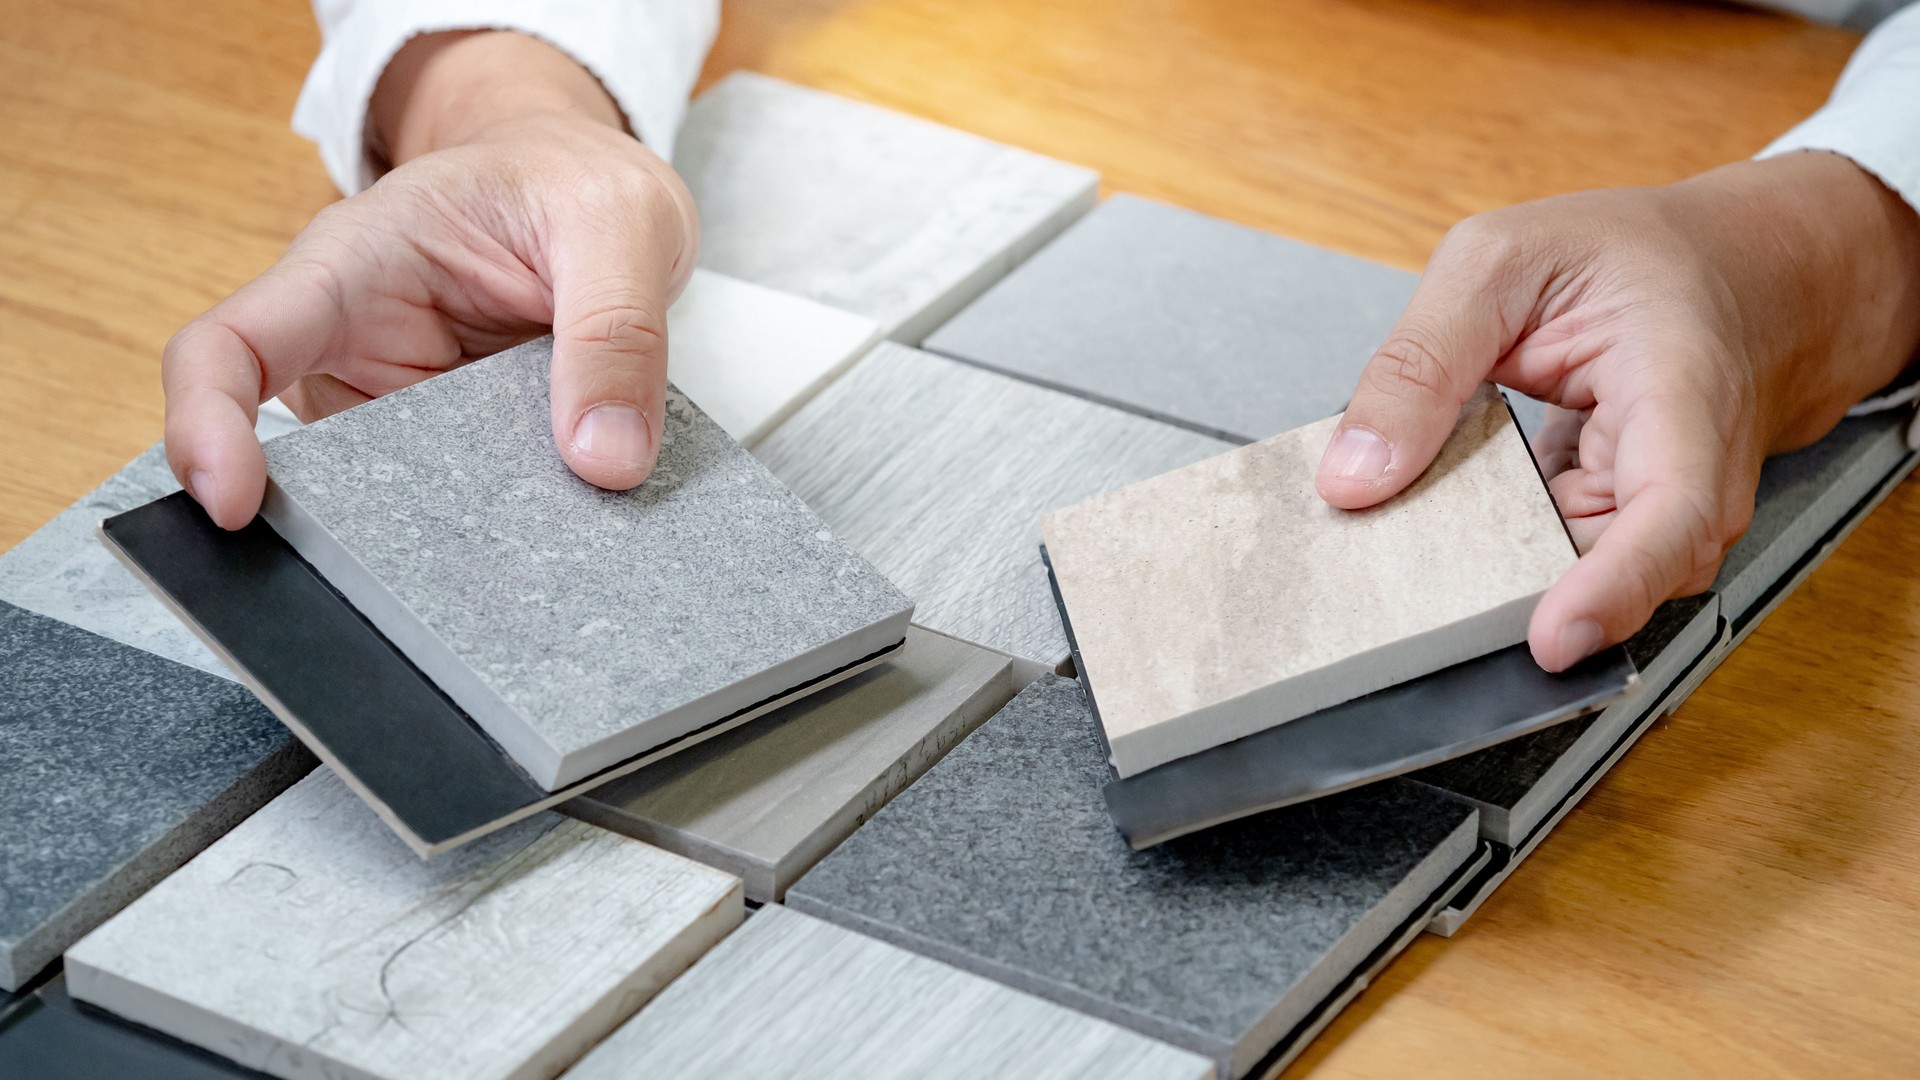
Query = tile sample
x=309 y=943
x=48 y=1037
x=1001 y=861
x=578 y=627
x=1152 y=308
x=1227 y=597
x=938 y=472
x=861 y=208
x=767 y=800
x=791 y=996
x=749 y=355
x=116 y=766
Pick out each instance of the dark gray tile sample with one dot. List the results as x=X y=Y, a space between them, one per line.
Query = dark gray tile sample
x=1001 y=861
x=1227 y=330
x=119 y=766
x=578 y=627
x=52 y=1037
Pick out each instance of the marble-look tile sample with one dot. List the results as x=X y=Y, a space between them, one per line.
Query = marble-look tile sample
x=1227 y=330
x=938 y=472
x=749 y=355
x=1227 y=597
x=116 y=766
x=792 y=996
x=49 y=1038
x=861 y=208
x=1001 y=861
x=310 y=943
x=578 y=627
x=767 y=800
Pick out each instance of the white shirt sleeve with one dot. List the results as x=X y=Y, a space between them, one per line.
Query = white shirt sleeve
x=646 y=53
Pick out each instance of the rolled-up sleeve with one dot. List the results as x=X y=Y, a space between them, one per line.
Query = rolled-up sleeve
x=1873 y=116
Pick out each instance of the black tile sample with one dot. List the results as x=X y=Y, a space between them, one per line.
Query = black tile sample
x=51 y=1037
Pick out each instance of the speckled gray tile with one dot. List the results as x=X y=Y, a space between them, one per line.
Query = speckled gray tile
x=939 y=472
x=767 y=800
x=118 y=766
x=1228 y=330
x=861 y=208
x=578 y=627
x=1001 y=861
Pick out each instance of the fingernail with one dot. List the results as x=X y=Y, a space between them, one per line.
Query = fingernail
x=204 y=489
x=1356 y=453
x=614 y=432
x=1580 y=639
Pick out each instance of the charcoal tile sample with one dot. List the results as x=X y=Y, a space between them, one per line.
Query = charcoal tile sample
x=578 y=627
x=48 y=1037
x=791 y=996
x=861 y=208
x=309 y=943
x=767 y=800
x=1227 y=330
x=116 y=766
x=938 y=472
x=1001 y=861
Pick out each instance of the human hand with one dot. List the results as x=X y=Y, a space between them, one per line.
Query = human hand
x=520 y=203
x=1699 y=326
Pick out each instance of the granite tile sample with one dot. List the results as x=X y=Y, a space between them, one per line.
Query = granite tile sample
x=938 y=472
x=1001 y=861
x=791 y=996
x=116 y=766
x=861 y=208
x=578 y=627
x=749 y=355
x=1227 y=330
x=49 y=1038
x=1227 y=597
x=767 y=800
x=309 y=943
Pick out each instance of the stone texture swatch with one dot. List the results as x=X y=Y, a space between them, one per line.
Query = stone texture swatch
x=863 y=209
x=310 y=943
x=794 y=997
x=938 y=472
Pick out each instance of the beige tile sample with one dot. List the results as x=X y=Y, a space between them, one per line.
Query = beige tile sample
x=1226 y=597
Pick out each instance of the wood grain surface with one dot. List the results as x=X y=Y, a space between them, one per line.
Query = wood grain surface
x=1742 y=895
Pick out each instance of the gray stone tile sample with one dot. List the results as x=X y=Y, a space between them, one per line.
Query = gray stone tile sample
x=767 y=800
x=51 y=1038
x=791 y=996
x=1001 y=861
x=938 y=472
x=1224 y=329
x=864 y=209
x=578 y=627
x=119 y=766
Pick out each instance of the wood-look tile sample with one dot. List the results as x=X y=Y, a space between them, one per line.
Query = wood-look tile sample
x=1156 y=309
x=116 y=766
x=864 y=209
x=48 y=1037
x=310 y=943
x=938 y=472
x=767 y=800
x=791 y=996
x=1001 y=861
x=578 y=627
x=749 y=355
x=1221 y=599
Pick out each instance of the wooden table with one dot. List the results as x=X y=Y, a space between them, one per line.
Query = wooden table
x=1741 y=896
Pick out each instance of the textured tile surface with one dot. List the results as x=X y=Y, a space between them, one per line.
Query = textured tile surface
x=1227 y=597
x=791 y=996
x=577 y=626
x=939 y=472
x=51 y=1039
x=1225 y=329
x=116 y=766
x=765 y=801
x=1001 y=860
x=863 y=209
x=309 y=943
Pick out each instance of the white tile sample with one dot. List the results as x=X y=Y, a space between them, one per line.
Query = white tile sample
x=578 y=627
x=767 y=800
x=938 y=472
x=861 y=208
x=1227 y=597
x=791 y=996
x=309 y=942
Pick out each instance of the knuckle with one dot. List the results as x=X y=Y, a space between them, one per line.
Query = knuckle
x=617 y=321
x=1407 y=365
x=1483 y=240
